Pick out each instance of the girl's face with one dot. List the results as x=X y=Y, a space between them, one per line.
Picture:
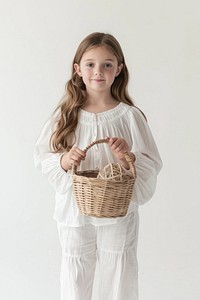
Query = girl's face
x=98 y=68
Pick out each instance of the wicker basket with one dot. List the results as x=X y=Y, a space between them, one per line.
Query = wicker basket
x=102 y=198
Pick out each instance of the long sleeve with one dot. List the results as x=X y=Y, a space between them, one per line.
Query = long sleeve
x=148 y=162
x=49 y=162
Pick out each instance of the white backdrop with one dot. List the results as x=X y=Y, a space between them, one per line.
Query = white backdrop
x=160 y=40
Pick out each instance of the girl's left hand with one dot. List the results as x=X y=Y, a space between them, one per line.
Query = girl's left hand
x=118 y=147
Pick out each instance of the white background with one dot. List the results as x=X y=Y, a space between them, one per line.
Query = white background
x=160 y=40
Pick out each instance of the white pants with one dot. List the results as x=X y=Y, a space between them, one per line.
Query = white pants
x=110 y=250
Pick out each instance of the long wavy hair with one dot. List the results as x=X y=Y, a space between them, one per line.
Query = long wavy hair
x=63 y=137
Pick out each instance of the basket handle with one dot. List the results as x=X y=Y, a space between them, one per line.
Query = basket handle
x=101 y=141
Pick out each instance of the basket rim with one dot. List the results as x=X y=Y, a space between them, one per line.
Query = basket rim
x=92 y=179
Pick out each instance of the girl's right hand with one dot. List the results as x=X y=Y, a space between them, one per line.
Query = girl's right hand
x=74 y=156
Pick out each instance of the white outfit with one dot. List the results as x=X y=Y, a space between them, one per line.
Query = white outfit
x=122 y=121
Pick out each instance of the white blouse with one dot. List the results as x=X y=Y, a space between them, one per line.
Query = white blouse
x=122 y=121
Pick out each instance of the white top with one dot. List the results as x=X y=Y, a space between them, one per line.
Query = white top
x=122 y=121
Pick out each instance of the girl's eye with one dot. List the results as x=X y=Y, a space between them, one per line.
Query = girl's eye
x=107 y=66
x=90 y=65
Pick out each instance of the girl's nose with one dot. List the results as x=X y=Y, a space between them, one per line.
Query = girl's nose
x=98 y=72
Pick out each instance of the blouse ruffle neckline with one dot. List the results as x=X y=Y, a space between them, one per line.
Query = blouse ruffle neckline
x=106 y=116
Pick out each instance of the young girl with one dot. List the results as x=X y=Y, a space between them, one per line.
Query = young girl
x=97 y=105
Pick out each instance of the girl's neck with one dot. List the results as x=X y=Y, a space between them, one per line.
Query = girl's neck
x=97 y=103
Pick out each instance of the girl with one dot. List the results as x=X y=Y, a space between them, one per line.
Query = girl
x=97 y=105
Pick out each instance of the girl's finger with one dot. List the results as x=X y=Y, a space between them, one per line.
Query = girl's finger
x=118 y=144
x=80 y=152
x=76 y=157
x=121 y=148
x=124 y=149
x=112 y=141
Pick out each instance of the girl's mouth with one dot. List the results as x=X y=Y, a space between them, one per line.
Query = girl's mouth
x=98 y=80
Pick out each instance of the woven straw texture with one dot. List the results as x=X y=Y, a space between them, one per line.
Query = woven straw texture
x=105 y=194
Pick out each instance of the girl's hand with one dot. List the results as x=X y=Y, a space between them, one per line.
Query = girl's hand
x=118 y=147
x=74 y=156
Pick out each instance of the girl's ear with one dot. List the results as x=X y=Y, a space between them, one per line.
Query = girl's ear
x=119 y=68
x=77 y=69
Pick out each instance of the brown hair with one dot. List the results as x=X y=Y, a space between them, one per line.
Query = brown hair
x=63 y=137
